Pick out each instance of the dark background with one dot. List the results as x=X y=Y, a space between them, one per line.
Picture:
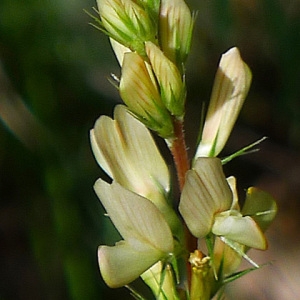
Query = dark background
x=53 y=86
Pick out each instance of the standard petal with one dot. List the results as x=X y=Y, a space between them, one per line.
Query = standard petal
x=123 y=263
x=243 y=230
x=126 y=151
x=205 y=193
x=135 y=217
x=260 y=206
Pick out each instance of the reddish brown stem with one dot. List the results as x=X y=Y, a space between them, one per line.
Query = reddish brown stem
x=179 y=152
x=180 y=156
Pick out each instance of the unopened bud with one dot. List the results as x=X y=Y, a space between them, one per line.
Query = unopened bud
x=140 y=93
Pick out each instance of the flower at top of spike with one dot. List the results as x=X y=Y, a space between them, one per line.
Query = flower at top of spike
x=230 y=89
x=129 y=22
x=208 y=204
x=147 y=237
x=175 y=30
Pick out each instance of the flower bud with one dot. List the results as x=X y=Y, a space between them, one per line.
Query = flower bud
x=230 y=89
x=175 y=30
x=139 y=91
x=172 y=88
x=127 y=22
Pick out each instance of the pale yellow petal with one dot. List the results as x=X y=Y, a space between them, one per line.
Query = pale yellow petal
x=232 y=184
x=172 y=88
x=136 y=218
x=122 y=263
x=237 y=228
x=126 y=151
x=205 y=193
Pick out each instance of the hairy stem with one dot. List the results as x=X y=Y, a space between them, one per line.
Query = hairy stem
x=179 y=152
x=182 y=164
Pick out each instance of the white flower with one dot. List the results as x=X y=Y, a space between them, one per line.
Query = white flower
x=139 y=91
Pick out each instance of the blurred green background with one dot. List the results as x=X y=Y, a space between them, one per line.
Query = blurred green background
x=53 y=86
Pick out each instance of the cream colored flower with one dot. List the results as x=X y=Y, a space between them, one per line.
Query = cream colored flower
x=230 y=89
x=208 y=206
x=126 y=151
x=147 y=237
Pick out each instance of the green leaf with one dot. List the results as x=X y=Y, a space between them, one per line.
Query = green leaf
x=236 y=247
x=246 y=150
x=239 y=274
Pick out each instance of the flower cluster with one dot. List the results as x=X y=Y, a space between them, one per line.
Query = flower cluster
x=161 y=239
